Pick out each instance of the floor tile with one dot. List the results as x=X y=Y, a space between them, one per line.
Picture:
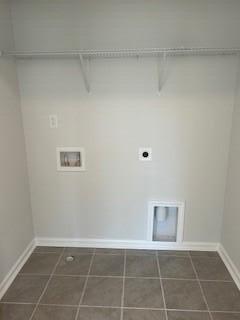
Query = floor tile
x=176 y=267
x=109 y=251
x=207 y=254
x=178 y=253
x=141 y=266
x=140 y=252
x=40 y=263
x=225 y=316
x=79 y=266
x=133 y=314
x=181 y=315
x=221 y=296
x=64 y=290
x=107 y=265
x=39 y=249
x=16 y=311
x=211 y=269
x=143 y=293
x=75 y=250
x=99 y=313
x=183 y=294
x=26 y=289
x=103 y=291
x=55 y=313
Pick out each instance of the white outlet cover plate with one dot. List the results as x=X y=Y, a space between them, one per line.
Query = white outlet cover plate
x=143 y=150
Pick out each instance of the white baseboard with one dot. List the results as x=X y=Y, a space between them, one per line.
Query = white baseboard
x=7 y=281
x=126 y=244
x=233 y=270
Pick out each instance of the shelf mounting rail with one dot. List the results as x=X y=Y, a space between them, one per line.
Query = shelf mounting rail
x=122 y=53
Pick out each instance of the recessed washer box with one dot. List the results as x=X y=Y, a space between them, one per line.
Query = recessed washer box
x=71 y=159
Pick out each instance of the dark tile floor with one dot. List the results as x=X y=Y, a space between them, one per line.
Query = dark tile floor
x=111 y=284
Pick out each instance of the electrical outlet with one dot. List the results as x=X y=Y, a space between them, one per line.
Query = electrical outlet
x=53 y=121
x=145 y=154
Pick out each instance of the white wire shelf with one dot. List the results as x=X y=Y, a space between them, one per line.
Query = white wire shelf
x=83 y=55
x=144 y=52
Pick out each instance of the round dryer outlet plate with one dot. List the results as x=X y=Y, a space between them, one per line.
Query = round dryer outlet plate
x=145 y=154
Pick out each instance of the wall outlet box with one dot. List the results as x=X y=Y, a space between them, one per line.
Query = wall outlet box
x=53 y=121
x=70 y=159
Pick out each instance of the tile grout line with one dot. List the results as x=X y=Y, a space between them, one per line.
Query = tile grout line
x=200 y=285
x=116 y=307
x=161 y=285
x=82 y=253
x=122 y=254
x=117 y=277
x=85 y=284
x=46 y=286
x=123 y=284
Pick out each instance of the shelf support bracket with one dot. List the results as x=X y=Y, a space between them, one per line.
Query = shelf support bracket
x=84 y=73
x=162 y=68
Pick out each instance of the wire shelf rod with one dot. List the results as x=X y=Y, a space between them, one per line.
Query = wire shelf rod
x=144 y=52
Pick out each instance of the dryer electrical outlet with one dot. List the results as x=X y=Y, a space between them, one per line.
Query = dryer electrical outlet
x=145 y=154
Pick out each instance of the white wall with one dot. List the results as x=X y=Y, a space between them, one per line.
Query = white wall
x=16 y=229
x=231 y=221
x=74 y=24
x=188 y=125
